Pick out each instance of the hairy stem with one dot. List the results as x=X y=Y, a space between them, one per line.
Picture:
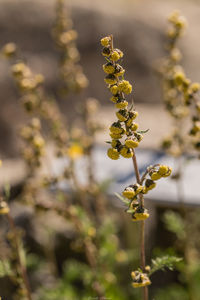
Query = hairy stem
x=142 y=236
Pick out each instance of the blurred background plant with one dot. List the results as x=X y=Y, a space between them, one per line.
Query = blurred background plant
x=72 y=236
x=93 y=257
x=182 y=102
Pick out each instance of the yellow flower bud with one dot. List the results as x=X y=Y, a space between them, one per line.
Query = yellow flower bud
x=134 y=127
x=38 y=141
x=105 y=41
x=116 y=128
x=171 y=33
x=114 y=89
x=141 y=284
x=162 y=169
x=114 y=99
x=131 y=143
x=181 y=22
x=113 y=153
x=109 y=68
x=19 y=69
x=138 y=188
x=133 y=275
x=195 y=87
x=176 y=54
x=119 y=71
x=36 y=124
x=145 y=190
x=9 y=50
x=138 y=136
x=128 y=192
x=4 y=209
x=198 y=107
x=125 y=87
x=116 y=54
x=147 y=268
x=168 y=172
x=140 y=216
x=172 y=18
x=179 y=77
x=110 y=79
x=140 y=279
x=133 y=114
x=115 y=135
x=106 y=51
x=68 y=36
x=155 y=176
x=92 y=231
x=114 y=143
x=150 y=184
x=121 y=115
x=195 y=128
x=129 y=154
x=122 y=104
x=126 y=152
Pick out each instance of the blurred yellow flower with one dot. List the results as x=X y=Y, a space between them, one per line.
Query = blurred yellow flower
x=75 y=151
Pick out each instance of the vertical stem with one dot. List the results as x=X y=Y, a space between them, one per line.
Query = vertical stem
x=142 y=236
x=179 y=184
x=22 y=267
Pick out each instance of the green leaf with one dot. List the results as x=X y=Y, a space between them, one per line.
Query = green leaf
x=5 y=268
x=175 y=224
x=124 y=200
x=108 y=59
x=130 y=211
x=143 y=131
x=164 y=262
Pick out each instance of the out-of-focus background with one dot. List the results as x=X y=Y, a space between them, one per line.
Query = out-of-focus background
x=138 y=27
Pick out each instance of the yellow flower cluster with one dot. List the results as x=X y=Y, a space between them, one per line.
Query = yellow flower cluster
x=65 y=37
x=124 y=128
x=34 y=149
x=162 y=171
x=139 y=213
x=4 y=209
x=35 y=101
x=140 y=279
x=178 y=23
x=125 y=138
x=180 y=94
x=25 y=79
x=9 y=50
x=75 y=151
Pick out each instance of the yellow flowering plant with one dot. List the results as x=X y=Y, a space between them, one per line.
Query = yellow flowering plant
x=125 y=138
x=83 y=205
x=14 y=264
x=180 y=93
x=182 y=102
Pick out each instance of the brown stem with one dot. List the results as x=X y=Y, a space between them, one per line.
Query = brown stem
x=147 y=172
x=142 y=236
x=21 y=265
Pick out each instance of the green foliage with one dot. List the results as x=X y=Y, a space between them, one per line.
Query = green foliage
x=174 y=292
x=165 y=262
x=174 y=223
x=123 y=199
x=5 y=268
